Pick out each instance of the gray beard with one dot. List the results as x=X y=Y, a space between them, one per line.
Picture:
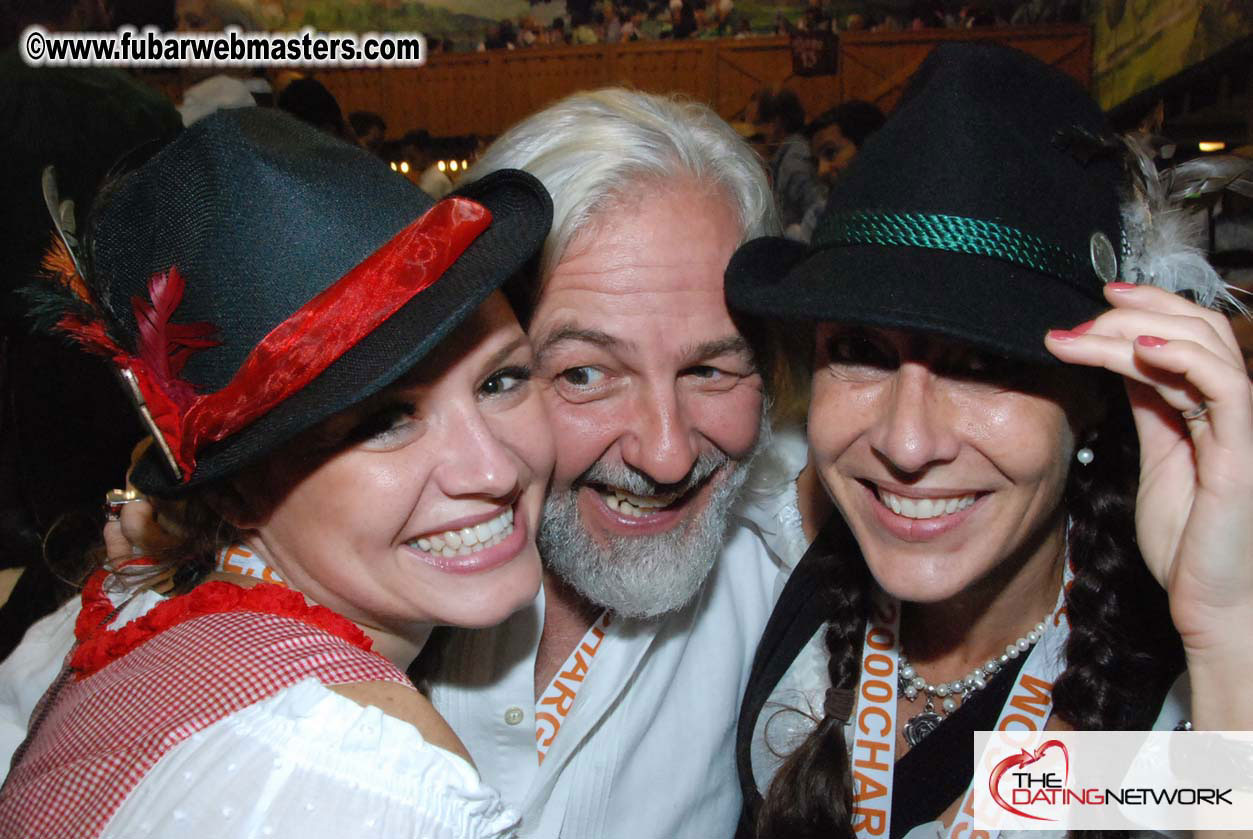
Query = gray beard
x=642 y=576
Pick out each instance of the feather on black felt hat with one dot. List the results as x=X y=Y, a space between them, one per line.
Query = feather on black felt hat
x=258 y=276
x=989 y=209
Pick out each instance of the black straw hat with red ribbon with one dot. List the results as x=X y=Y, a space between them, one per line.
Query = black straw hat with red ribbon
x=986 y=209
x=257 y=276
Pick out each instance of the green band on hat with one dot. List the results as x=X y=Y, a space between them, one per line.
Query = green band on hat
x=953 y=233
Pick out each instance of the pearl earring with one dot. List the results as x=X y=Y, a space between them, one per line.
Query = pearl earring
x=1085 y=456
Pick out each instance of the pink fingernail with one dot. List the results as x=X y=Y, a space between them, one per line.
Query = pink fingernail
x=1150 y=341
x=1120 y=286
x=1082 y=328
x=1063 y=334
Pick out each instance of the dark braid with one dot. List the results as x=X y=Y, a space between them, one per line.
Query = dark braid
x=1123 y=651
x=1122 y=654
x=812 y=791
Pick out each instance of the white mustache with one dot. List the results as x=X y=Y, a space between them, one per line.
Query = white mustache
x=635 y=482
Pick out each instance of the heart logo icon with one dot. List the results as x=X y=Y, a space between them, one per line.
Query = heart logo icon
x=1025 y=758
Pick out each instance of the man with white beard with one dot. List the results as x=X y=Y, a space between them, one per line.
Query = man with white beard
x=608 y=710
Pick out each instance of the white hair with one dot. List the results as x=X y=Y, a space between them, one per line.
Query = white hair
x=598 y=149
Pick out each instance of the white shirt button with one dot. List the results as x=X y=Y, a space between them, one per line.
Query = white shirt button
x=514 y=715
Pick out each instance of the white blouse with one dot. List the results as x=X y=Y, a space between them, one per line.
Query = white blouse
x=305 y=763
x=312 y=764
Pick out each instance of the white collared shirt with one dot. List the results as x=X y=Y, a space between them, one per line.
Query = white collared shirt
x=648 y=749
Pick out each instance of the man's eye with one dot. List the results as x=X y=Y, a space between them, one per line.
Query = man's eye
x=582 y=376
x=505 y=380
x=704 y=372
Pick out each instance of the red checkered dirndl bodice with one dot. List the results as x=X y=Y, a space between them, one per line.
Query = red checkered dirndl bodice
x=136 y=692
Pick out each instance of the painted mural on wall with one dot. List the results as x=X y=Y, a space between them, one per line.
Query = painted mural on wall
x=1139 y=43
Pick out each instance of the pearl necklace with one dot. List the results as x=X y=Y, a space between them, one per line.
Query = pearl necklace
x=911 y=685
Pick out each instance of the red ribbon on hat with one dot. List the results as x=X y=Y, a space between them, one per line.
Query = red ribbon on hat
x=294 y=352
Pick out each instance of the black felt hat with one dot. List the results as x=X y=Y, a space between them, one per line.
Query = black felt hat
x=258 y=276
x=986 y=209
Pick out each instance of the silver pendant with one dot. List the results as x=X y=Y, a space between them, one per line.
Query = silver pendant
x=920 y=726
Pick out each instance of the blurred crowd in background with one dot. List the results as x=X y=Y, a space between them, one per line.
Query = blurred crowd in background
x=611 y=23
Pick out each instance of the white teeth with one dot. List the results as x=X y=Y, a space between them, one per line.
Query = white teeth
x=467 y=540
x=636 y=505
x=924 y=508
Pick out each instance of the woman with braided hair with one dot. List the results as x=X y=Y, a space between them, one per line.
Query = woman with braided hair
x=1013 y=532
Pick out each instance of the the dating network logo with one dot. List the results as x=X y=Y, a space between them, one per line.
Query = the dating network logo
x=1037 y=782
x=1032 y=789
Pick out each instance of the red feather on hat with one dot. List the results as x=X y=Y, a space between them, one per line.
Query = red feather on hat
x=165 y=347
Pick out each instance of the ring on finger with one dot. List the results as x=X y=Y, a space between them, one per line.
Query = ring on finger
x=116 y=499
x=1197 y=412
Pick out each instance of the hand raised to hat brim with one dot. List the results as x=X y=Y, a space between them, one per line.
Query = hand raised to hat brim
x=1194 y=509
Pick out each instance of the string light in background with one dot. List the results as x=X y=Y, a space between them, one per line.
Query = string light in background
x=450 y=166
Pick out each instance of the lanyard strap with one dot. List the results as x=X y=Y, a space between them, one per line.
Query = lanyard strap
x=1030 y=702
x=236 y=559
x=1028 y=707
x=874 y=732
x=555 y=703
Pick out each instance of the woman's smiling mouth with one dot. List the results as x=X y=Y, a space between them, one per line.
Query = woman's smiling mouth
x=921 y=514
x=924 y=508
